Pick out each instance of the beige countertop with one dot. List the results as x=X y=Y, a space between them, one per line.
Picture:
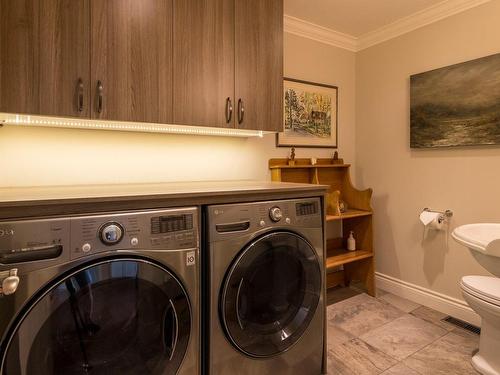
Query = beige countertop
x=53 y=200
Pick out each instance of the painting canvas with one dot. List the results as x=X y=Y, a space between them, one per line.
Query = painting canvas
x=310 y=115
x=456 y=106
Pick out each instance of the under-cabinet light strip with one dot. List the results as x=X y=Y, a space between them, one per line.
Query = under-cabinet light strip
x=53 y=122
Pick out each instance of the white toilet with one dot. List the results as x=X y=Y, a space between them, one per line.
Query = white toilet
x=482 y=293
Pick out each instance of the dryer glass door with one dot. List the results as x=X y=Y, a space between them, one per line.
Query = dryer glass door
x=270 y=294
x=119 y=316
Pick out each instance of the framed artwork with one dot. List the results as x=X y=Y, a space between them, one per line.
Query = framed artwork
x=310 y=115
x=458 y=105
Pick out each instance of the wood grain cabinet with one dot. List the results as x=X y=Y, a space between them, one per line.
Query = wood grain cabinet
x=204 y=62
x=259 y=64
x=192 y=62
x=44 y=60
x=132 y=60
x=228 y=63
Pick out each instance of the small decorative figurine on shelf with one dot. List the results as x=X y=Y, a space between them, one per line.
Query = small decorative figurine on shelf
x=291 y=159
x=342 y=206
x=335 y=158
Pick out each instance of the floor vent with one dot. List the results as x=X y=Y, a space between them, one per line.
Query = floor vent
x=462 y=324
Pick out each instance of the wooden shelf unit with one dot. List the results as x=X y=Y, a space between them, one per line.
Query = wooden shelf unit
x=342 y=266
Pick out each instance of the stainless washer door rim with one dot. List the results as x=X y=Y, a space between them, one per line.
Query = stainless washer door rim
x=270 y=294
x=148 y=279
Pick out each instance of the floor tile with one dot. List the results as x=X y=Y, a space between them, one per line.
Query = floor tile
x=361 y=314
x=356 y=357
x=450 y=354
x=432 y=316
x=403 y=336
x=336 y=335
x=401 y=303
x=400 y=369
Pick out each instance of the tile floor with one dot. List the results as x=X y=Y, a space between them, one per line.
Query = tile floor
x=393 y=336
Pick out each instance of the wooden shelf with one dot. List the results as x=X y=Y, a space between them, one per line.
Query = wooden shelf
x=348 y=215
x=299 y=166
x=342 y=266
x=338 y=257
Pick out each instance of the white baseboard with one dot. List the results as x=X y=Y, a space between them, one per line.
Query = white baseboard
x=437 y=301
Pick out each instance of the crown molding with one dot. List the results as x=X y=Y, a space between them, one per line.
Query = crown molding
x=297 y=26
x=417 y=20
x=405 y=25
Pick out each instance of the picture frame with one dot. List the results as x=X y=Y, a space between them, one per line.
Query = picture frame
x=310 y=115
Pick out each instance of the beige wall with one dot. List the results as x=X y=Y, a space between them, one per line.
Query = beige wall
x=466 y=180
x=66 y=156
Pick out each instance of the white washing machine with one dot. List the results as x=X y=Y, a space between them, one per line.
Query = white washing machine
x=265 y=275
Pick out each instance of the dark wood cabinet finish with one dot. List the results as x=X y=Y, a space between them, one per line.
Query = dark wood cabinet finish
x=160 y=61
x=132 y=58
x=65 y=57
x=203 y=67
x=19 y=56
x=44 y=53
x=259 y=64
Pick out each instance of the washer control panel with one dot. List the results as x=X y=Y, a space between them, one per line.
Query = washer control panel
x=172 y=229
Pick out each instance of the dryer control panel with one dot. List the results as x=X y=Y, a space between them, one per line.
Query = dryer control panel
x=237 y=218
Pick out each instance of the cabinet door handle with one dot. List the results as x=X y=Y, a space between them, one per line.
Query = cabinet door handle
x=100 y=90
x=241 y=111
x=80 y=95
x=229 y=110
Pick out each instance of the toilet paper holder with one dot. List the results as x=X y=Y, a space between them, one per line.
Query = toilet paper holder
x=448 y=213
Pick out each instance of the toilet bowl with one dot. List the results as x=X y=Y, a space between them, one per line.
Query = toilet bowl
x=482 y=293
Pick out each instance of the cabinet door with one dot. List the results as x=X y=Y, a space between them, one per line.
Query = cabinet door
x=64 y=52
x=132 y=60
x=204 y=62
x=43 y=55
x=259 y=64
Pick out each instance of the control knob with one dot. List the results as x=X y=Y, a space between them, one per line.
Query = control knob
x=275 y=214
x=111 y=233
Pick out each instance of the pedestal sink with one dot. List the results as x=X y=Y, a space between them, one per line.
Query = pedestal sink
x=482 y=293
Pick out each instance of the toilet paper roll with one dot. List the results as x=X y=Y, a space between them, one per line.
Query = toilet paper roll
x=432 y=220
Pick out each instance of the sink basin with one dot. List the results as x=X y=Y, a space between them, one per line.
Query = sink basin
x=483 y=241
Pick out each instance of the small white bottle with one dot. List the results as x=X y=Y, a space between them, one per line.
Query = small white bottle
x=351 y=242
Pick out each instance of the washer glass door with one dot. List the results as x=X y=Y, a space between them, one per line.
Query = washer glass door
x=270 y=294
x=116 y=316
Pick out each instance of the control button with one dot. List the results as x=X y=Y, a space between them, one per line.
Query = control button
x=86 y=247
x=155 y=241
x=167 y=238
x=262 y=223
x=134 y=241
x=111 y=233
x=275 y=214
x=287 y=220
x=179 y=237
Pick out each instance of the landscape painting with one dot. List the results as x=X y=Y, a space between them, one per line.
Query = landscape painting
x=456 y=106
x=310 y=115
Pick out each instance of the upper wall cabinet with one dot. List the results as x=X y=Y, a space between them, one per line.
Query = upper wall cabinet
x=44 y=61
x=259 y=64
x=191 y=62
x=132 y=60
x=204 y=62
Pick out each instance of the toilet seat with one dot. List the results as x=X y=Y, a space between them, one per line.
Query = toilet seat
x=485 y=288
